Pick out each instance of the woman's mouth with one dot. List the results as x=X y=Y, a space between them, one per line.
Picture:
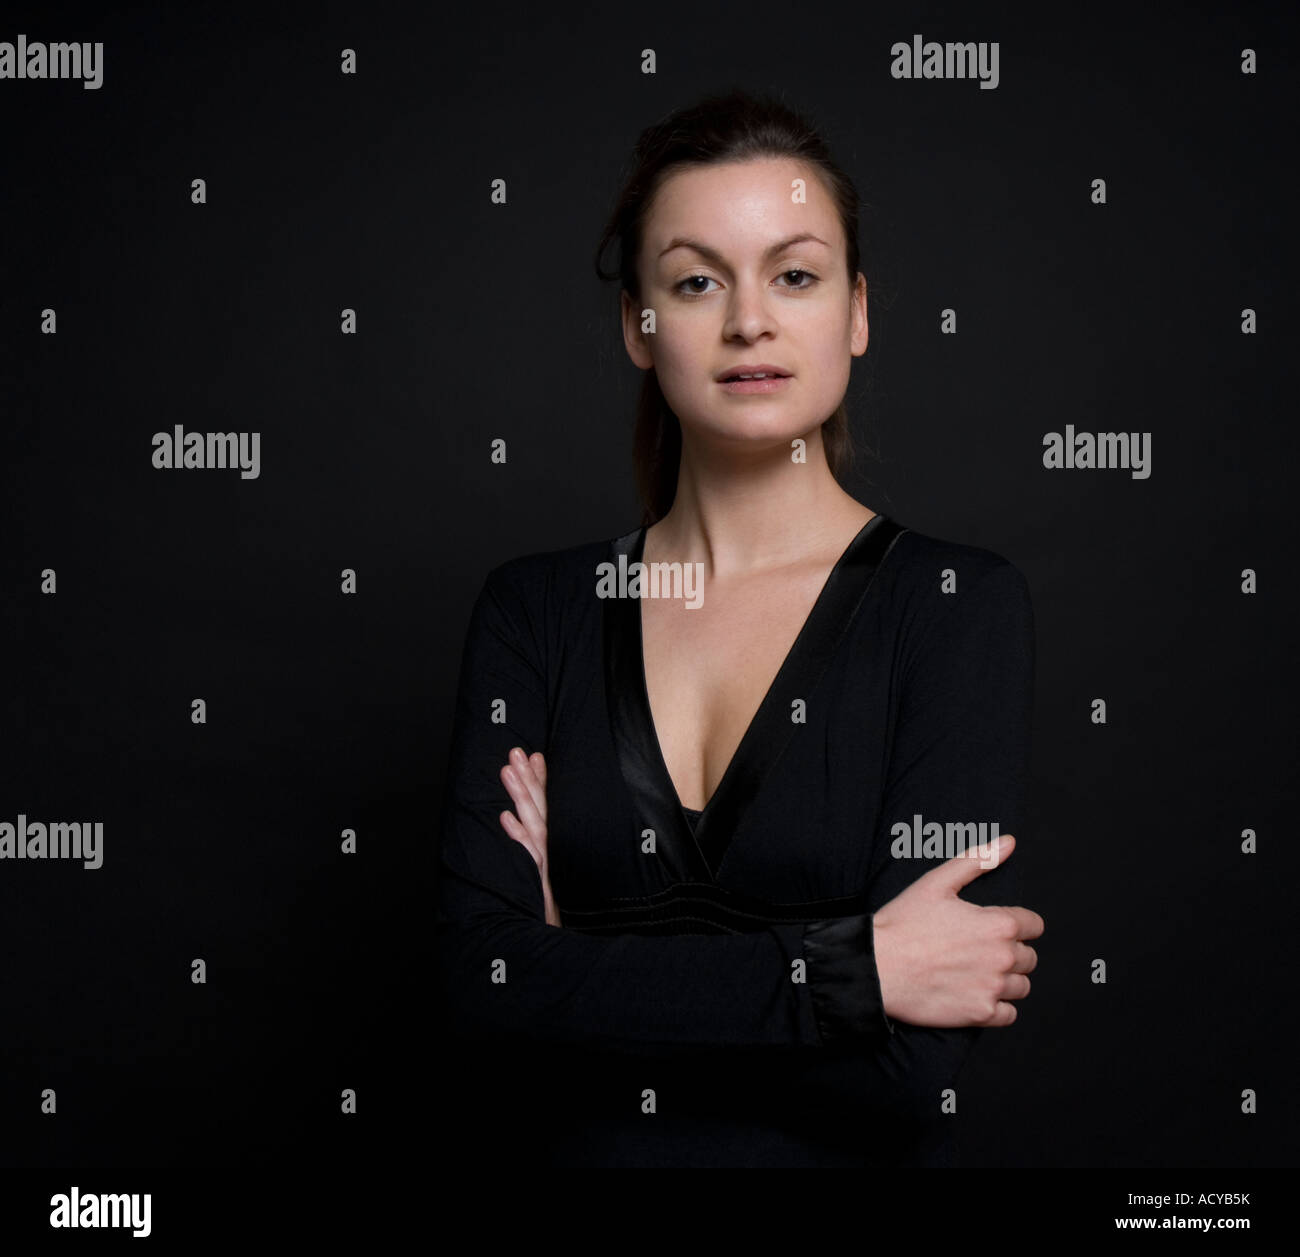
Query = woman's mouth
x=759 y=382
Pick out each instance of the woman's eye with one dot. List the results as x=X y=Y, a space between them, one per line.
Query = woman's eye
x=682 y=286
x=690 y=279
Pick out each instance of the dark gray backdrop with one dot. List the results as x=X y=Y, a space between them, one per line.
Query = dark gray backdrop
x=477 y=321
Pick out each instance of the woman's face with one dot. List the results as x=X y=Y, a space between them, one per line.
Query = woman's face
x=762 y=281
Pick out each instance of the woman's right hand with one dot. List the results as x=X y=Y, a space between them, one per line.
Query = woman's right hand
x=944 y=961
x=524 y=778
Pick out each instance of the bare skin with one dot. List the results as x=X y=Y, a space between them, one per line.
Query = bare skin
x=525 y=778
x=741 y=272
x=707 y=668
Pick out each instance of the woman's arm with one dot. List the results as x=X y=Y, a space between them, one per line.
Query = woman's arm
x=960 y=755
x=942 y=960
x=505 y=970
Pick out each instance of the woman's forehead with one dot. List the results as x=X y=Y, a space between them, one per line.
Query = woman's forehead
x=741 y=205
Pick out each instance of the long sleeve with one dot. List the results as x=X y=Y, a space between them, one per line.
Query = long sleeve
x=960 y=755
x=504 y=970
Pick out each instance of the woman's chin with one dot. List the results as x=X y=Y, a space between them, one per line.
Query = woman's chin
x=754 y=428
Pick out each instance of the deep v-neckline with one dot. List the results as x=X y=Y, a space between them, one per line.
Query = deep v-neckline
x=785 y=664
x=699 y=855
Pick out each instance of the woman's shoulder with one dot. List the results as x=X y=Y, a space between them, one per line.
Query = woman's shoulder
x=566 y=572
x=931 y=575
x=920 y=554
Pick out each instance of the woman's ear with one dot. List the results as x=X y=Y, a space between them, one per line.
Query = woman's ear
x=859 y=330
x=636 y=341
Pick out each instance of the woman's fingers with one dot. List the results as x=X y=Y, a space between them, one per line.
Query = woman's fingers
x=526 y=767
x=522 y=795
x=1004 y=1016
x=524 y=778
x=1028 y=923
x=538 y=761
x=528 y=791
x=510 y=823
x=1014 y=986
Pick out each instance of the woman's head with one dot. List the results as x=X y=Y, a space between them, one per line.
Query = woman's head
x=772 y=277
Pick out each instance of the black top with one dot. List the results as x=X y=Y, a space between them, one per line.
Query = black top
x=711 y=997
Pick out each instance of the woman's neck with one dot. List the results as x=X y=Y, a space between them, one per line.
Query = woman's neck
x=742 y=518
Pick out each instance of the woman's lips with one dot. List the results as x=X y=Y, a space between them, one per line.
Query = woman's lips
x=770 y=385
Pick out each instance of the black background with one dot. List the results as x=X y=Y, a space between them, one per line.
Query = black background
x=478 y=321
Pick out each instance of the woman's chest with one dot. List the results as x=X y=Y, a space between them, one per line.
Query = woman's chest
x=794 y=784
x=707 y=670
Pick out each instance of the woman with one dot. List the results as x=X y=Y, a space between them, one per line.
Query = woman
x=715 y=926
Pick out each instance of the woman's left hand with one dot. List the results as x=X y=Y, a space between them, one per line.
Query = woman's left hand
x=524 y=777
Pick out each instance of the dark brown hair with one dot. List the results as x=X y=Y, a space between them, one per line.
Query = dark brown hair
x=736 y=126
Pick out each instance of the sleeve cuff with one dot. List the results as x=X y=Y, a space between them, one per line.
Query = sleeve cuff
x=842 y=977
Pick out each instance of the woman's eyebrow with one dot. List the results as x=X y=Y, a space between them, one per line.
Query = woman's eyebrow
x=685 y=242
